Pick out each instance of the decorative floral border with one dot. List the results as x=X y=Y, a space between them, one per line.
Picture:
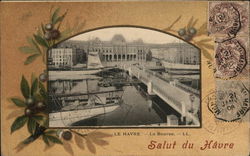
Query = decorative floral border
x=32 y=106
x=192 y=33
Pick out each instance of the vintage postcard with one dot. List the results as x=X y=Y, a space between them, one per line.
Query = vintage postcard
x=125 y=78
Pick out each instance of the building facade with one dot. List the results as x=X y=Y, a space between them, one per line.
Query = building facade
x=111 y=51
x=180 y=54
x=62 y=57
x=119 y=50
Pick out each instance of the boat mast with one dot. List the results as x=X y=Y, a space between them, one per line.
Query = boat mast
x=181 y=56
x=87 y=87
x=88 y=52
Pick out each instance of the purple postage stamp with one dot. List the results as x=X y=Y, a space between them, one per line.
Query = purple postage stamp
x=231 y=58
x=228 y=18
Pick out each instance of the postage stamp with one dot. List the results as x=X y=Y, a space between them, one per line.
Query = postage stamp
x=231 y=100
x=230 y=57
x=228 y=18
x=214 y=125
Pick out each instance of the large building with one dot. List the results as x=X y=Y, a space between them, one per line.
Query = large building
x=115 y=50
x=62 y=57
x=119 y=50
x=180 y=54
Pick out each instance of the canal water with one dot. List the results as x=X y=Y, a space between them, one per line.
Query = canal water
x=136 y=107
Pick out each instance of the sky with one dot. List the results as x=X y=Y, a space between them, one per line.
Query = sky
x=130 y=34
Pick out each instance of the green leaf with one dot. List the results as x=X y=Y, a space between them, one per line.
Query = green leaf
x=39 y=32
x=42 y=26
x=42 y=90
x=33 y=77
x=50 y=132
x=18 y=102
x=208 y=46
x=54 y=139
x=28 y=50
x=90 y=145
x=31 y=125
x=202 y=29
x=46 y=140
x=25 y=87
x=203 y=26
x=79 y=141
x=206 y=54
x=41 y=41
x=194 y=23
x=33 y=44
x=45 y=123
x=34 y=87
x=65 y=34
x=204 y=41
x=55 y=16
x=31 y=58
x=18 y=123
x=28 y=140
x=80 y=26
x=38 y=97
x=38 y=117
x=170 y=27
x=190 y=22
x=29 y=40
x=59 y=19
x=100 y=142
x=68 y=148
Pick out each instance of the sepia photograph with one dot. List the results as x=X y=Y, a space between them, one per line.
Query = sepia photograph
x=124 y=77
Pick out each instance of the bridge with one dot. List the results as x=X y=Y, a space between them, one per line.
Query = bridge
x=185 y=100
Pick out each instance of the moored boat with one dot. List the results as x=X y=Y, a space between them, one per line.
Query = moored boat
x=80 y=107
x=67 y=118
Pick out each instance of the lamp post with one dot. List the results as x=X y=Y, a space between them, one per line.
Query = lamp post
x=191 y=97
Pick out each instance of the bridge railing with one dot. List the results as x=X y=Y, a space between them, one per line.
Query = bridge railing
x=187 y=88
x=177 y=84
x=176 y=96
x=144 y=79
x=167 y=95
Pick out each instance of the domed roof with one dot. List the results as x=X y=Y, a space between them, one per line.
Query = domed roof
x=96 y=40
x=140 y=41
x=118 y=38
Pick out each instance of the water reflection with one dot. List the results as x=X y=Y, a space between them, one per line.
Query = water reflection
x=135 y=106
